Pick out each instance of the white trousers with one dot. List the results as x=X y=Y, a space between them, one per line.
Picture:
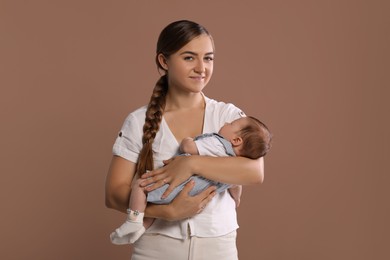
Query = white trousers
x=159 y=247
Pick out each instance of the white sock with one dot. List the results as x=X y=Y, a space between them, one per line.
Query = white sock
x=131 y=230
x=134 y=236
x=128 y=227
x=128 y=238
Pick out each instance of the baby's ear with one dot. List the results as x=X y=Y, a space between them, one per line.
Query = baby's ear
x=237 y=141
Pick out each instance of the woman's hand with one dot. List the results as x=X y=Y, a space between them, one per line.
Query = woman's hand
x=175 y=172
x=236 y=192
x=185 y=206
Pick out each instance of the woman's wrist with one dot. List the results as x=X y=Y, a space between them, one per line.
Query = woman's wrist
x=168 y=212
x=159 y=211
x=194 y=164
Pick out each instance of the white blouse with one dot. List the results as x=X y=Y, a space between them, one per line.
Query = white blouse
x=219 y=217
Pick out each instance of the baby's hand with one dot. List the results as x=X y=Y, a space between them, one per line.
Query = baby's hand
x=188 y=146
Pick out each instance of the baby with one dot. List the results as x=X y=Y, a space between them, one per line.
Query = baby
x=246 y=136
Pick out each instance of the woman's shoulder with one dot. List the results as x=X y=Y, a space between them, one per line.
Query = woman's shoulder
x=216 y=104
x=221 y=108
x=135 y=119
x=138 y=114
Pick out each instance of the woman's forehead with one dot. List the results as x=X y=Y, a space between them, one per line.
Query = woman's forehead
x=199 y=45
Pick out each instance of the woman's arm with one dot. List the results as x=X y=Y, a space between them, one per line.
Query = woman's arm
x=183 y=206
x=118 y=189
x=118 y=183
x=231 y=170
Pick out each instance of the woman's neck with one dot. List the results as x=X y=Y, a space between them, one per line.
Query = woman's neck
x=183 y=101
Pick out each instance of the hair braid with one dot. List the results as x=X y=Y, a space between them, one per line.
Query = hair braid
x=153 y=119
x=172 y=38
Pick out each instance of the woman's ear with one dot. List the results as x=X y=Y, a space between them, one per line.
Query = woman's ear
x=237 y=141
x=163 y=61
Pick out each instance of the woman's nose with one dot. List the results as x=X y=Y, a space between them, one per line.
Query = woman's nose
x=200 y=68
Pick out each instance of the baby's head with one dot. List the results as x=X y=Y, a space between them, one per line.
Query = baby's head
x=249 y=136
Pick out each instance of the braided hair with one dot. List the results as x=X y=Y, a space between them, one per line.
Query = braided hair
x=172 y=38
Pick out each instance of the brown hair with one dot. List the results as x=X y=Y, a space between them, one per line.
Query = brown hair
x=256 y=139
x=172 y=38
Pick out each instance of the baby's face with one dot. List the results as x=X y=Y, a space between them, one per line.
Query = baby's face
x=230 y=130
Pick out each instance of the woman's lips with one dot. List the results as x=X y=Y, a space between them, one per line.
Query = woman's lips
x=197 y=78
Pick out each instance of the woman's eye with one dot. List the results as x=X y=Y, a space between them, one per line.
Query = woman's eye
x=188 y=58
x=209 y=58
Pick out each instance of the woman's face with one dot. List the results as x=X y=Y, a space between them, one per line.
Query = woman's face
x=190 y=68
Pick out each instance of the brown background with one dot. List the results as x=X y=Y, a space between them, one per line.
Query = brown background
x=317 y=72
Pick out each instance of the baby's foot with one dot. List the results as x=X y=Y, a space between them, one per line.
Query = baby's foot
x=128 y=238
x=128 y=227
x=136 y=235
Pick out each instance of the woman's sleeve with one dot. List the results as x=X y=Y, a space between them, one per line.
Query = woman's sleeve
x=128 y=144
x=230 y=113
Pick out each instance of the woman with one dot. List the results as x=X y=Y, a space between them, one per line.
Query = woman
x=185 y=228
